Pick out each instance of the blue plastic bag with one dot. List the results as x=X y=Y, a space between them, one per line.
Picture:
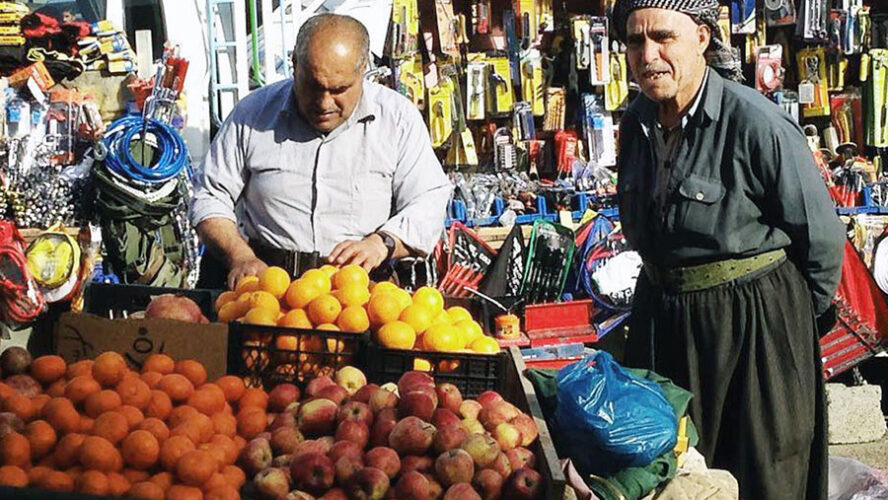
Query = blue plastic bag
x=610 y=419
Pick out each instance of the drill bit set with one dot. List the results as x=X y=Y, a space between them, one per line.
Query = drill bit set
x=549 y=257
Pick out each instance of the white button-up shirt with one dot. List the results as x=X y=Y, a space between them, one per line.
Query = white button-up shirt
x=295 y=188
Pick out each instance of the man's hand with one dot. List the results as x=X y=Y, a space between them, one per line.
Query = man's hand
x=248 y=266
x=368 y=253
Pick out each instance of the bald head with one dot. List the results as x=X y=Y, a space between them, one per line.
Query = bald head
x=333 y=35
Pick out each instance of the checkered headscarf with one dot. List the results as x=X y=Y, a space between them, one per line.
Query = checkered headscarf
x=719 y=55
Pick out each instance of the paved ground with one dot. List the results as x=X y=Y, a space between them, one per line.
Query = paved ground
x=874 y=454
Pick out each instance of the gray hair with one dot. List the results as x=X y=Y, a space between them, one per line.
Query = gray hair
x=348 y=25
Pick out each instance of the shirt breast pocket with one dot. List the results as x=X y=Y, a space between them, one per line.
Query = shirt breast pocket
x=697 y=209
x=374 y=189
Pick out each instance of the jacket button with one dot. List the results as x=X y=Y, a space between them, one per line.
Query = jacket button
x=700 y=196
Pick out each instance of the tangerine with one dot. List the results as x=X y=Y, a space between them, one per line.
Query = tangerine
x=180 y=492
x=275 y=281
x=429 y=297
x=56 y=481
x=403 y=297
x=39 y=401
x=151 y=378
x=80 y=387
x=135 y=476
x=163 y=479
x=160 y=405
x=100 y=402
x=442 y=338
x=193 y=370
x=15 y=449
x=180 y=414
x=195 y=467
x=67 y=450
x=251 y=422
x=172 y=450
x=396 y=335
x=135 y=392
x=383 y=308
x=232 y=311
x=329 y=269
x=485 y=345
x=353 y=319
x=160 y=363
x=98 y=453
x=109 y=369
x=318 y=279
x=146 y=490
x=35 y=473
x=61 y=415
x=156 y=427
x=246 y=284
x=295 y=318
x=92 y=482
x=11 y=475
x=207 y=401
x=20 y=405
x=132 y=414
x=234 y=475
x=352 y=295
x=118 y=484
x=351 y=274
x=140 y=449
x=176 y=386
x=254 y=396
x=224 y=298
x=300 y=294
x=383 y=286
x=417 y=316
x=224 y=492
x=265 y=300
x=261 y=316
x=227 y=445
x=48 y=369
x=80 y=368
x=232 y=386
x=328 y=327
x=324 y=309
x=41 y=436
x=224 y=424
x=56 y=389
x=112 y=426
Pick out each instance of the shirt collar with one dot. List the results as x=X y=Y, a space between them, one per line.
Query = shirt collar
x=709 y=96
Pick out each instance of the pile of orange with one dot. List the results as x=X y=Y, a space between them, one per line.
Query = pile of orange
x=98 y=427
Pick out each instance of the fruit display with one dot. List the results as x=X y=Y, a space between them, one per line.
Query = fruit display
x=346 y=439
x=98 y=427
x=177 y=307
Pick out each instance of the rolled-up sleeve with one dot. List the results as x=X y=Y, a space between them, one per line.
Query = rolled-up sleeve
x=421 y=189
x=222 y=176
x=806 y=212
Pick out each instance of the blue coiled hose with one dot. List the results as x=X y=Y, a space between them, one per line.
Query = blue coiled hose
x=173 y=155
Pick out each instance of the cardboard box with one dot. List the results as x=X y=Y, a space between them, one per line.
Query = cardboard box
x=85 y=336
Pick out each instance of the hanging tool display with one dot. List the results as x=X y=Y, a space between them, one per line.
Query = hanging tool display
x=813 y=89
x=550 y=253
x=743 y=17
x=878 y=128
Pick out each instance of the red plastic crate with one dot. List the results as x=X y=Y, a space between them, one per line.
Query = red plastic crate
x=560 y=322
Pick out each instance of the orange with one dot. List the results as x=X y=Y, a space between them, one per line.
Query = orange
x=134 y=392
x=48 y=369
x=35 y=473
x=251 y=422
x=329 y=270
x=232 y=386
x=56 y=481
x=246 y=284
x=67 y=450
x=208 y=400
x=383 y=308
x=234 y=475
x=20 y=405
x=92 y=482
x=458 y=313
x=224 y=424
x=146 y=490
x=429 y=297
x=177 y=386
x=233 y=310
x=11 y=475
x=470 y=330
x=112 y=426
x=135 y=476
x=15 y=449
x=82 y=367
x=275 y=281
x=442 y=338
x=324 y=309
x=224 y=298
x=118 y=484
x=100 y=402
x=353 y=274
x=442 y=318
x=396 y=335
x=61 y=415
x=195 y=467
x=133 y=415
x=417 y=316
x=39 y=402
x=352 y=295
x=217 y=480
x=353 y=319
x=180 y=414
x=222 y=493
x=318 y=279
x=86 y=424
x=485 y=345
x=172 y=450
x=160 y=363
x=163 y=479
x=56 y=389
x=98 y=453
x=109 y=369
x=327 y=327
x=295 y=318
x=193 y=371
x=403 y=297
x=220 y=456
x=80 y=387
x=226 y=444
x=140 y=450
x=156 y=427
x=422 y=365
x=383 y=286
x=300 y=293
x=41 y=436
x=253 y=396
x=151 y=378
x=179 y=492
x=160 y=405
x=265 y=300
x=261 y=316
x=5 y=391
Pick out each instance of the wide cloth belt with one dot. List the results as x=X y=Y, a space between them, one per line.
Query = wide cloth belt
x=713 y=274
x=292 y=261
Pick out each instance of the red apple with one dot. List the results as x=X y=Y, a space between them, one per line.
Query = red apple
x=284 y=440
x=344 y=449
x=411 y=436
x=461 y=491
x=382 y=399
x=501 y=465
x=256 y=456
x=449 y=396
x=507 y=436
x=412 y=486
x=334 y=494
x=524 y=484
x=285 y=419
x=521 y=457
x=443 y=418
x=472 y=426
x=414 y=380
x=528 y=428
x=333 y=393
x=497 y=413
x=281 y=396
x=448 y=438
x=489 y=484
x=272 y=482
x=487 y=398
x=312 y=472
x=354 y=431
x=363 y=394
x=309 y=446
x=316 y=384
x=355 y=410
x=418 y=403
x=417 y=463
x=368 y=484
x=482 y=448
x=382 y=429
x=326 y=443
x=469 y=409
x=346 y=467
x=317 y=417
x=384 y=459
x=454 y=466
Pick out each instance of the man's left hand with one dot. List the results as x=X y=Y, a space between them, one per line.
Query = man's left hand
x=368 y=253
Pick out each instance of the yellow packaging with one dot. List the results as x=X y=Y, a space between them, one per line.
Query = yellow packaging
x=532 y=82
x=499 y=90
x=811 y=63
x=617 y=90
x=441 y=112
x=412 y=83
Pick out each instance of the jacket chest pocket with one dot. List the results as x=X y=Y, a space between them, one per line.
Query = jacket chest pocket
x=698 y=199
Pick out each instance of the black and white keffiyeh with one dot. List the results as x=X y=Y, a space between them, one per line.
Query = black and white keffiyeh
x=719 y=55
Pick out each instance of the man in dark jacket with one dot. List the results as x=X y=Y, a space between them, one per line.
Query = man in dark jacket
x=741 y=245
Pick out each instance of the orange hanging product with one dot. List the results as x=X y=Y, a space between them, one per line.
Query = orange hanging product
x=508 y=326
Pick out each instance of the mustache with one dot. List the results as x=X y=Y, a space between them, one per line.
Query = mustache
x=654 y=67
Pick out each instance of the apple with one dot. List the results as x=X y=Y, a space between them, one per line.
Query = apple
x=382 y=399
x=489 y=484
x=487 y=398
x=344 y=449
x=368 y=484
x=355 y=410
x=326 y=443
x=418 y=403
x=497 y=413
x=454 y=466
x=363 y=394
x=284 y=440
x=521 y=457
x=449 y=396
x=472 y=426
x=317 y=417
x=316 y=384
x=283 y=419
x=448 y=438
x=412 y=486
x=507 y=436
x=528 y=428
x=333 y=393
x=469 y=409
x=312 y=472
x=501 y=465
x=384 y=459
x=282 y=461
x=272 y=482
x=436 y=491
x=281 y=396
x=293 y=408
x=256 y=456
x=299 y=495
x=413 y=380
x=346 y=467
x=309 y=446
x=411 y=436
x=351 y=379
x=417 y=463
x=390 y=386
x=524 y=484
x=482 y=448
x=334 y=494
x=354 y=431
x=461 y=491
x=382 y=429
x=443 y=417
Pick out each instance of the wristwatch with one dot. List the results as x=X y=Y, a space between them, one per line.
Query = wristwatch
x=389 y=242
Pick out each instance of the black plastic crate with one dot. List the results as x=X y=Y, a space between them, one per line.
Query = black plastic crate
x=119 y=301
x=271 y=355
x=471 y=373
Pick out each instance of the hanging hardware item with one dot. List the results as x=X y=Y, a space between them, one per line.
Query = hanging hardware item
x=582 y=41
x=780 y=12
x=532 y=83
x=769 y=69
x=599 y=57
x=409 y=75
x=522 y=120
x=505 y=155
x=813 y=93
x=527 y=22
x=172 y=159
x=441 y=112
x=555 y=109
x=20 y=298
x=476 y=87
x=54 y=262
x=404 y=28
x=743 y=17
x=599 y=130
x=481 y=17
x=499 y=92
x=877 y=134
x=812 y=24
x=616 y=92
